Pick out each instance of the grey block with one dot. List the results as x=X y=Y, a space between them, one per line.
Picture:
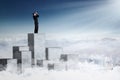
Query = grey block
x=53 y=53
x=23 y=48
x=39 y=45
x=12 y=65
x=2 y=67
x=26 y=59
x=3 y=63
x=64 y=57
x=31 y=43
x=17 y=54
x=36 y=43
x=50 y=66
x=46 y=54
x=40 y=63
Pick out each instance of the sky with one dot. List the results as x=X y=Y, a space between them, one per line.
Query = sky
x=76 y=17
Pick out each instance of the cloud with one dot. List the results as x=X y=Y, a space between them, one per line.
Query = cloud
x=86 y=72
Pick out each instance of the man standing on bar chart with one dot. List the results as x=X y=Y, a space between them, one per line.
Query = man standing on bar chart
x=35 y=17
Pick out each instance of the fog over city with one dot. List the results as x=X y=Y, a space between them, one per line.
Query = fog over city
x=86 y=31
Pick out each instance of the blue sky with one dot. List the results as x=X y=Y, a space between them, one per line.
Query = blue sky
x=60 y=16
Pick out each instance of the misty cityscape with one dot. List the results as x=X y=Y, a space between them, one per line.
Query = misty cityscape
x=60 y=40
